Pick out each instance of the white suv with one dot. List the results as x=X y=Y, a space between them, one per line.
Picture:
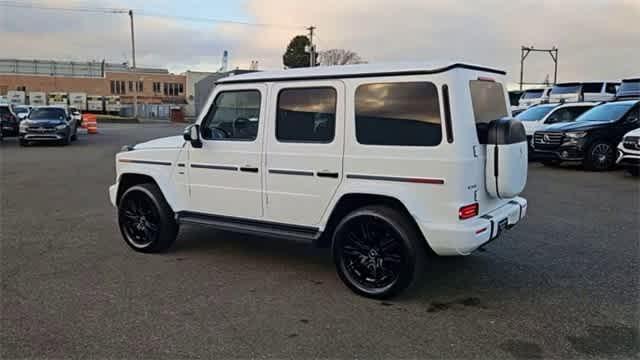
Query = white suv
x=381 y=163
x=532 y=97
x=629 y=152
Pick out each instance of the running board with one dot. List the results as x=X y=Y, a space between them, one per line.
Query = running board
x=250 y=226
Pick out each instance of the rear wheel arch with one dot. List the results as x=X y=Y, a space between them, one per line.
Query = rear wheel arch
x=353 y=201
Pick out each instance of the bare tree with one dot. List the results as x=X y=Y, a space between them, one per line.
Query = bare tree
x=339 y=57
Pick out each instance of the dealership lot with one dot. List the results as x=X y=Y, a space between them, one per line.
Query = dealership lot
x=563 y=284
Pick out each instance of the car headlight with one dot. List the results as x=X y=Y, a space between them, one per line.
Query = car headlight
x=24 y=125
x=126 y=148
x=576 y=135
x=61 y=127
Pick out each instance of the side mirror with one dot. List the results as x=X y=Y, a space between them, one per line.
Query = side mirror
x=22 y=116
x=192 y=134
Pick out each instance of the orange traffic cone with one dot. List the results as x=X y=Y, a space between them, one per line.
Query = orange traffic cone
x=92 y=124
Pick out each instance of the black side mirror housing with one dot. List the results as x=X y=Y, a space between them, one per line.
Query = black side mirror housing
x=192 y=134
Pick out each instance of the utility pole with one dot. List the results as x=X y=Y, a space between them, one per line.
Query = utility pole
x=524 y=52
x=312 y=48
x=133 y=59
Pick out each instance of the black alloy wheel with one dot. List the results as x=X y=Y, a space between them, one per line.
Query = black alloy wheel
x=146 y=220
x=601 y=157
x=377 y=252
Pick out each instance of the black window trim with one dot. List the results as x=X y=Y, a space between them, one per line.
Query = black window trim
x=204 y=120
x=395 y=81
x=275 y=127
x=447 y=113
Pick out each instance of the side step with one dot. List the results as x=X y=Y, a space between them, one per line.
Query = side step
x=250 y=226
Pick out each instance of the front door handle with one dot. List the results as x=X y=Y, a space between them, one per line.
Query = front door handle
x=249 y=169
x=327 y=174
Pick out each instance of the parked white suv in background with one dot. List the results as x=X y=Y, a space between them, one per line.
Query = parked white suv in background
x=381 y=163
x=533 y=97
x=585 y=91
x=537 y=117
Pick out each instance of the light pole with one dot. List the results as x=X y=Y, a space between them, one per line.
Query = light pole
x=133 y=59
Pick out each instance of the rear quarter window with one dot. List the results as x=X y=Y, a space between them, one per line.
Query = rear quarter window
x=488 y=101
x=399 y=114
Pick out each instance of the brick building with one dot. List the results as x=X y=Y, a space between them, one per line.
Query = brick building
x=152 y=86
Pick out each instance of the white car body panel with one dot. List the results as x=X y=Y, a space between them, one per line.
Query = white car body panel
x=627 y=154
x=531 y=127
x=451 y=175
x=169 y=142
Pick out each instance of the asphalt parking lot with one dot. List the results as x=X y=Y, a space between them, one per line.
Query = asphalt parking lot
x=564 y=284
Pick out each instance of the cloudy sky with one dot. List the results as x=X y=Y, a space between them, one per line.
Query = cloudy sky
x=597 y=39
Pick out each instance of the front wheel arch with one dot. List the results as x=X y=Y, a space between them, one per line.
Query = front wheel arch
x=128 y=180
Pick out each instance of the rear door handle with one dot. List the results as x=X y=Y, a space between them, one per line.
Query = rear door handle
x=327 y=174
x=249 y=169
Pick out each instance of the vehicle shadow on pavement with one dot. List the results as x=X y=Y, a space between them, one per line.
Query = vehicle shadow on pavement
x=202 y=240
x=448 y=282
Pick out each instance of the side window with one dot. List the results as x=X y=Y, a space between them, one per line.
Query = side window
x=402 y=113
x=578 y=110
x=612 y=88
x=306 y=115
x=591 y=87
x=234 y=115
x=558 y=116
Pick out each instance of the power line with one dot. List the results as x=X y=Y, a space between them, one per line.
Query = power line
x=140 y=12
x=15 y=4
x=210 y=20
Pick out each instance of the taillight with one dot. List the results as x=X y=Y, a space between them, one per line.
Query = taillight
x=468 y=211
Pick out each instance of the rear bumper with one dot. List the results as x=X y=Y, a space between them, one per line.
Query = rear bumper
x=464 y=237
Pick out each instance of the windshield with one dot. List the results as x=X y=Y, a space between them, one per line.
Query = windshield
x=629 y=86
x=534 y=113
x=47 y=114
x=608 y=112
x=532 y=94
x=21 y=110
x=565 y=89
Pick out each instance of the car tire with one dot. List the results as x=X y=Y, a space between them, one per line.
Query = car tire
x=24 y=142
x=66 y=140
x=601 y=156
x=378 y=252
x=74 y=137
x=146 y=220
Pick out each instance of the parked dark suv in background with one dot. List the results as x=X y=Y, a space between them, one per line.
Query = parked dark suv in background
x=48 y=123
x=8 y=121
x=592 y=139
